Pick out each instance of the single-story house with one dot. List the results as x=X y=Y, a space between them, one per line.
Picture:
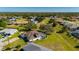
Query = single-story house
x=33 y=20
x=75 y=33
x=7 y=33
x=12 y=19
x=70 y=25
x=33 y=35
x=73 y=27
x=53 y=17
x=11 y=31
x=77 y=17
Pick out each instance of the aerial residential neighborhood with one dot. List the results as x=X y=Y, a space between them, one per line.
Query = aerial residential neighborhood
x=39 y=32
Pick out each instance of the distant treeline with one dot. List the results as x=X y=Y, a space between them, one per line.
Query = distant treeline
x=39 y=13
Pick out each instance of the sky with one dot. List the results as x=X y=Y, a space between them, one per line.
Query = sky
x=39 y=9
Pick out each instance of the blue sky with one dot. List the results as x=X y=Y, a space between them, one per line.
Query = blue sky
x=39 y=9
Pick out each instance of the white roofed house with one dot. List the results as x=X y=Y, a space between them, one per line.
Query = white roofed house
x=11 y=31
x=12 y=20
x=7 y=33
x=33 y=20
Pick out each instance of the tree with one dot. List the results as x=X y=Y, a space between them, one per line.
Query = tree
x=8 y=49
x=64 y=29
x=29 y=17
x=21 y=28
x=39 y=19
x=30 y=26
x=66 y=18
x=52 y=21
x=3 y=23
x=46 y=28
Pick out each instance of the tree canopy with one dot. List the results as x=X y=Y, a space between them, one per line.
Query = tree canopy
x=46 y=28
x=30 y=26
x=3 y=22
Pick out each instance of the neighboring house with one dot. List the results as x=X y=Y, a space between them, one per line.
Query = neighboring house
x=33 y=20
x=34 y=47
x=7 y=33
x=75 y=33
x=70 y=25
x=77 y=17
x=12 y=19
x=33 y=35
x=73 y=27
x=53 y=17
x=11 y=31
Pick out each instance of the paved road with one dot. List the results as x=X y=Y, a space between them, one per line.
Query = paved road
x=35 y=47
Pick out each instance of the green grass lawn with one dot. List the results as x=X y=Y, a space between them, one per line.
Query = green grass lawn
x=45 y=21
x=1 y=36
x=57 y=41
x=12 y=36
